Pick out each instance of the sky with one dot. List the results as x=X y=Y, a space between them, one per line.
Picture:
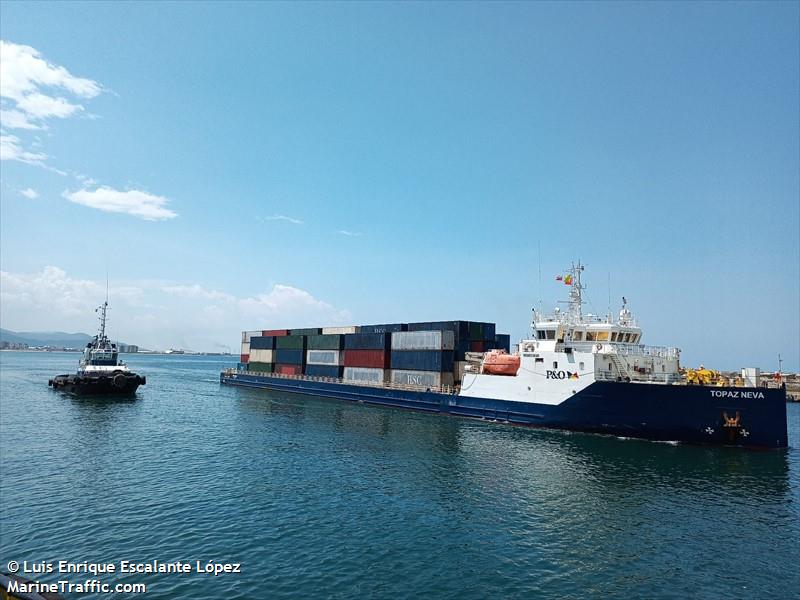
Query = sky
x=232 y=166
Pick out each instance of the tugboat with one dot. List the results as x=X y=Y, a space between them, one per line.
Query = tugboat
x=100 y=371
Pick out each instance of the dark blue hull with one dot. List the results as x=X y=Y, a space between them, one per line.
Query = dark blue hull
x=693 y=414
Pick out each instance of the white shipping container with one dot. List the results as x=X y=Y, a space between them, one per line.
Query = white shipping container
x=245 y=348
x=323 y=357
x=421 y=378
x=423 y=340
x=340 y=330
x=246 y=335
x=364 y=374
x=262 y=355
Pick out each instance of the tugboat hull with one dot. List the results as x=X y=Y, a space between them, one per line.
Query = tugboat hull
x=117 y=384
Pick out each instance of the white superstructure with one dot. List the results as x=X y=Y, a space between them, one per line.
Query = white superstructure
x=569 y=350
x=101 y=355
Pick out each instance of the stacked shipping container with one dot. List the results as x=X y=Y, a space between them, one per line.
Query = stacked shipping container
x=366 y=356
x=324 y=354
x=428 y=354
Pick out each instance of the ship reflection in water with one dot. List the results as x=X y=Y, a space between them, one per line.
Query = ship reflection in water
x=538 y=511
x=583 y=464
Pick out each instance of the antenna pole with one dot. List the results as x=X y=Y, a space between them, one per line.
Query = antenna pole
x=575 y=298
x=539 y=251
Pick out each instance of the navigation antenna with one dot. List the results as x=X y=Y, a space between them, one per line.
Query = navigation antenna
x=575 y=297
x=103 y=308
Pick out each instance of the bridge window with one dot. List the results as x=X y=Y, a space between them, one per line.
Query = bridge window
x=590 y=336
x=551 y=334
x=634 y=338
x=625 y=337
x=602 y=336
x=613 y=336
x=577 y=336
x=540 y=334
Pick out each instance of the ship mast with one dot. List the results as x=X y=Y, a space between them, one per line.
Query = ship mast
x=575 y=298
x=102 y=308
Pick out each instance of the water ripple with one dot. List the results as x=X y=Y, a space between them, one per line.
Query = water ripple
x=321 y=498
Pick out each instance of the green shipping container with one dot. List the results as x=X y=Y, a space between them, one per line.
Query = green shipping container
x=291 y=342
x=309 y=331
x=260 y=367
x=325 y=342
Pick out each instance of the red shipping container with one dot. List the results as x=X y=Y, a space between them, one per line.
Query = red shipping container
x=244 y=358
x=375 y=359
x=275 y=332
x=477 y=346
x=289 y=369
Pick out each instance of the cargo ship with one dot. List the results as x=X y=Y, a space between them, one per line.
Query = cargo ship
x=577 y=372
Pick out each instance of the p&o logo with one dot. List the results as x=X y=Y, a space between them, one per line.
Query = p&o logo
x=552 y=374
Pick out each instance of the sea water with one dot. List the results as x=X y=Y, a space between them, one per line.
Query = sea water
x=310 y=497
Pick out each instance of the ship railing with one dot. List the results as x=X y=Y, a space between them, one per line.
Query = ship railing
x=641 y=350
x=439 y=389
x=664 y=378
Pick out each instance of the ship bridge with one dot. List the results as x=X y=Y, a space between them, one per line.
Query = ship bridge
x=614 y=342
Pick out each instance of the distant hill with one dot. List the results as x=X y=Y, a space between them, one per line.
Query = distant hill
x=58 y=339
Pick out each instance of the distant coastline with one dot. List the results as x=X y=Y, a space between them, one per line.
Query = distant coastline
x=164 y=352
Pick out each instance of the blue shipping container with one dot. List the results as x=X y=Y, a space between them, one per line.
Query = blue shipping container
x=489 y=331
x=287 y=356
x=324 y=371
x=262 y=342
x=503 y=341
x=387 y=328
x=460 y=328
x=462 y=347
x=367 y=341
x=423 y=360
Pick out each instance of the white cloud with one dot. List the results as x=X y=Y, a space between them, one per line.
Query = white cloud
x=196 y=291
x=282 y=218
x=349 y=233
x=29 y=193
x=15 y=119
x=24 y=73
x=155 y=314
x=10 y=149
x=29 y=97
x=132 y=202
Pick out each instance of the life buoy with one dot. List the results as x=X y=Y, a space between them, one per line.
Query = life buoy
x=599 y=346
